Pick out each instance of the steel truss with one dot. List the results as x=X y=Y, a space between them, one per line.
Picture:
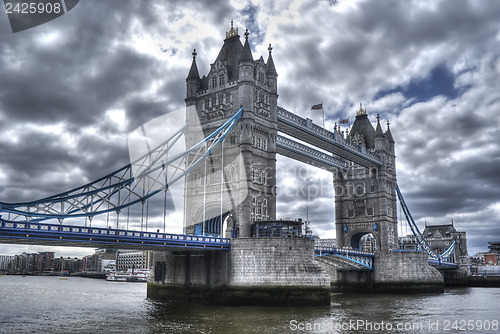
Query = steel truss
x=364 y=259
x=121 y=189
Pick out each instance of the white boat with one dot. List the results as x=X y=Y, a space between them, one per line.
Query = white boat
x=131 y=275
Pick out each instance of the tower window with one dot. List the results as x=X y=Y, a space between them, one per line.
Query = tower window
x=360 y=211
x=221 y=80
x=261 y=76
x=214 y=81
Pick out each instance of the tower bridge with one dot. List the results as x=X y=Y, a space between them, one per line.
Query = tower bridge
x=233 y=133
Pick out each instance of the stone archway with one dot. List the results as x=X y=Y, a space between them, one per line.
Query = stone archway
x=365 y=241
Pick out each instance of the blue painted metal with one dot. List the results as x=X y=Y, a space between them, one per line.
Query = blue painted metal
x=420 y=238
x=363 y=258
x=103 y=195
x=80 y=235
x=442 y=264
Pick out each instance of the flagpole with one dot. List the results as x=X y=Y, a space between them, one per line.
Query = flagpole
x=323 y=111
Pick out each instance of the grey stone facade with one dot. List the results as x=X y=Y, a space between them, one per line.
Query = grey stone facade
x=365 y=198
x=397 y=270
x=275 y=262
x=235 y=79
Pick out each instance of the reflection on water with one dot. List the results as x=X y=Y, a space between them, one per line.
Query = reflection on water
x=78 y=305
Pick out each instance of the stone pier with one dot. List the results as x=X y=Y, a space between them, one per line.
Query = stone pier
x=392 y=272
x=279 y=271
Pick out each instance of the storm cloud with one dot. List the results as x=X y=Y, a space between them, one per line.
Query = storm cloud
x=72 y=89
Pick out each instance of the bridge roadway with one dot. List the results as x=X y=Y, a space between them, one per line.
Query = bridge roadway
x=305 y=130
x=97 y=237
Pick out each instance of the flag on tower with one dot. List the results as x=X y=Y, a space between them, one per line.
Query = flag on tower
x=344 y=121
x=317 y=107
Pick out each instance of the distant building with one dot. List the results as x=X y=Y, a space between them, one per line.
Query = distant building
x=494 y=246
x=5 y=262
x=71 y=265
x=102 y=260
x=128 y=259
x=487 y=258
x=90 y=263
x=441 y=237
x=45 y=262
x=25 y=263
x=324 y=242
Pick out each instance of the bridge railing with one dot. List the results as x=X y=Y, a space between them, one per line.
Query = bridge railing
x=342 y=251
x=310 y=153
x=57 y=230
x=439 y=263
x=362 y=258
x=308 y=125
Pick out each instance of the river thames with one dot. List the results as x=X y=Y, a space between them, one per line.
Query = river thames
x=35 y=304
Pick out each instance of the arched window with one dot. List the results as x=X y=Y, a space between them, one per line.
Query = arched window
x=261 y=76
x=221 y=80
x=214 y=81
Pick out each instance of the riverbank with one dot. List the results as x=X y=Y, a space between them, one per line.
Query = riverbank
x=484 y=281
x=93 y=275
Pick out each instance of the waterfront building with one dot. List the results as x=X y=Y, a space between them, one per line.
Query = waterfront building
x=318 y=242
x=68 y=264
x=494 y=246
x=5 y=262
x=90 y=263
x=440 y=238
x=24 y=263
x=45 y=262
x=101 y=259
x=128 y=259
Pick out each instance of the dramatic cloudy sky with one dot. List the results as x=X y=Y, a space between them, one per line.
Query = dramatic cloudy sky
x=72 y=89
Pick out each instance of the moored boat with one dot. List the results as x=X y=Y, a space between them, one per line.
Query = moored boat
x=130 y=275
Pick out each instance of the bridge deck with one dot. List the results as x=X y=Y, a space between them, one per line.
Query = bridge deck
x=297 y=151
x=354 y=258
x=313 y=134
x=96 y=237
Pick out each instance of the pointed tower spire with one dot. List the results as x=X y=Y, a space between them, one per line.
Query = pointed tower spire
x=389 y=134
x=271 y=69
x=247 y=53
x=193 y=81
x=378 y=130
x=193 y=72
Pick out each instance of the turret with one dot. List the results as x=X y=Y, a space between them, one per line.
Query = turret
x=246 y=68
x=272 y=75
x=380 y=139
x=388 y=136
x=192 y=82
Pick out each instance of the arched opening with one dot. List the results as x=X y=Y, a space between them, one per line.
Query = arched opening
x=215 y=223
x=364 y=241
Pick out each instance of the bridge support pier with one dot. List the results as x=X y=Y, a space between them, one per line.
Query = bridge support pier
x=256 y=271
x=405 y=272
x=392 y=272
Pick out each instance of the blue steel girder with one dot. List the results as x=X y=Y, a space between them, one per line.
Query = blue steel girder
x=363 y=258
x=442 y=264
x=120 y=189
x=96 y=237
x=295 y=150
x=305 y=130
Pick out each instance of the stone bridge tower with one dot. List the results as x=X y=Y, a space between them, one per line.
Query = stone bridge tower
x=365 y=198
x=248 y=161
